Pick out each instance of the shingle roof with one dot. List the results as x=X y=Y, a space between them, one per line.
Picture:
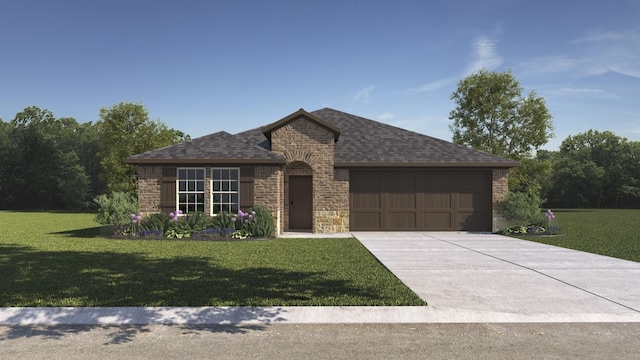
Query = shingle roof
x=362 y=142
x=220 y=147
x=365 y=142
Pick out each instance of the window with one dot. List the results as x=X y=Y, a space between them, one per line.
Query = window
x=225 y=196
x=191 y=189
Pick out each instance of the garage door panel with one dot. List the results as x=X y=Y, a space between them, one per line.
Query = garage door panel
x=437 y=220
x=366 y=220
x=366 y=201
x=437 y=201
x=472 y=221
x=400 y=220
x=401 y=201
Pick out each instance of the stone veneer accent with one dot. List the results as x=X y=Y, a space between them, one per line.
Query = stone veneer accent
x=309 y=150
x=499 y=191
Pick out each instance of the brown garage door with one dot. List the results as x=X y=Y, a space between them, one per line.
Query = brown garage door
x=420 y=200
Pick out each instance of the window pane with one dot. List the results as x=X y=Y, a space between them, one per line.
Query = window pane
x=225 y=198
x=234 y=186
x=234 y=208
x=216 y=174
x=200 y=198
x=216 y=198
x=200 y=174
x=216 y=208
x=234 y=198
x=183 y=207
x=226 y=207
x=191 y=174
x=225 y=186
x=182 y=174
x=200 y=185
x=191 y=198
x=235 y=173
x=182 y=198
x=200 y=207
x=225 y=174
x=191 y=186
x=182 y=185
x=191 y=208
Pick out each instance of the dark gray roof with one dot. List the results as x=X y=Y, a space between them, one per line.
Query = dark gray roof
x=220 y=147
x=362 y=142
x=365 y=142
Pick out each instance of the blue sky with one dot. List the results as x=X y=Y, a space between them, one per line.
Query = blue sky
x=205 y=66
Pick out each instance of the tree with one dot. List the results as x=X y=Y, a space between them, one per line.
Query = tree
x=127 y=130
x=596 y=169
x=43 y=170
x=492 y=115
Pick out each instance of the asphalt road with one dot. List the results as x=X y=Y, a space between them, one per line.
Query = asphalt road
x=335 y=341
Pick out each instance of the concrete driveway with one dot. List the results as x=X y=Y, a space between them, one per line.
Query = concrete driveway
x=493 y=276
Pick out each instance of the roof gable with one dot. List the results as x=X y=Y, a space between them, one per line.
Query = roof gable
x=268 y=129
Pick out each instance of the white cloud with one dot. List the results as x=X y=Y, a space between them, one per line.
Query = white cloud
x=386 y=116
x=485 y=55
x=365 y=94
x=595 y=93
x=609 y=52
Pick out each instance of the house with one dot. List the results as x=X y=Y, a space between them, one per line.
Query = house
x=328 y=171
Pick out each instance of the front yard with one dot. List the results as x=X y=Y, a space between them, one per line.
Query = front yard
x=59 y=259
x=614 y=233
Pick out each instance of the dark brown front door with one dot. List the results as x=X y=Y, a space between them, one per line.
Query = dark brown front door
x=300 y=202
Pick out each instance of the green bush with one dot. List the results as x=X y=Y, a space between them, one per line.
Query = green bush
x=262 y=223
x=222 y=221
x=115 y=211
x=158 y=222
x=189 y=224
x=520 y=209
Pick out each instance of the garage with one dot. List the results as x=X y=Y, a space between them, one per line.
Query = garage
x=420 y=200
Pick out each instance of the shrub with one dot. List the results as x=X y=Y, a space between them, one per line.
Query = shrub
x=187 y=225
x=115 y=211
x=262 y=224
x=155 y=223
x=223 y=221
x=520 y=209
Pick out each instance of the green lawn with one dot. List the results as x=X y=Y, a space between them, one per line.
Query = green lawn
x=59 y=259
x=613 y=233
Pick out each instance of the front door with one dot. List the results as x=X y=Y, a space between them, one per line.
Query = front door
x=300 y=203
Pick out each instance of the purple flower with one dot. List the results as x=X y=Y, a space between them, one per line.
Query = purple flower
x=233 y=219
x=133 y=216
x=253 y=212
x=134 y=221
x=550 y=215
x=141 y=214
x=171 y=215
x=246 y=221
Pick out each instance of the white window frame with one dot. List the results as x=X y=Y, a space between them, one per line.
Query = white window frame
x=224 y=191
x=194 y=192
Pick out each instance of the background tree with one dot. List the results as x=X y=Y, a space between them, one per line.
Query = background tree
x=492 y=115
x=126 y=130
x=596 y=169
x=41 y=169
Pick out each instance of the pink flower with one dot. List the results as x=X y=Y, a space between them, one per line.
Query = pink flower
x=233 y=219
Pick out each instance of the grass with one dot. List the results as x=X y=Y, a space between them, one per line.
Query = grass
x=614 y=233
x=60 y=259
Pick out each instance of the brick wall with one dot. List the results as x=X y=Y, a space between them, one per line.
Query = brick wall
x=309 y=150
x=268 y=192
x=149 y=182
x=499 y=191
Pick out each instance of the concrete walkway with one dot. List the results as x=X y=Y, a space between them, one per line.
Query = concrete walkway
x=490 y=277
x=465 y=278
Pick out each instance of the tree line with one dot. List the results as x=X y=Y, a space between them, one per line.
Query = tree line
x=593 y=169
x=57 y=163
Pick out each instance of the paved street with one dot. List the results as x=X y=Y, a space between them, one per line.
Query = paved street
x=330 y=341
